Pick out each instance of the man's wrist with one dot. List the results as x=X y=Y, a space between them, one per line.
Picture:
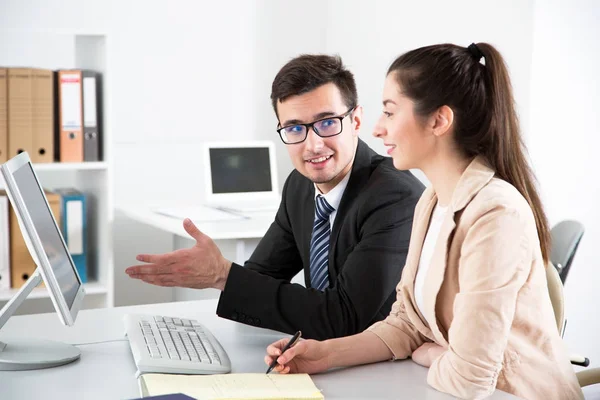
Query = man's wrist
x=223 y=275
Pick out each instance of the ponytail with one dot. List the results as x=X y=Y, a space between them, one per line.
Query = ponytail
x=485 y=120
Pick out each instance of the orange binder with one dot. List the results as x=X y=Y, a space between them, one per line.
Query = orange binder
x=21 y=262
x=70 y=134
x=43 y=116
x=20 y=107
x=3 y=115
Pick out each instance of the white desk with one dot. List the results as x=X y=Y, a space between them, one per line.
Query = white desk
x=106 y=370
x=241 y=230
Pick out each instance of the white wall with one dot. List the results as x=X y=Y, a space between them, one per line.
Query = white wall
x=183 y=74
x=564 y=141
x=285 y=29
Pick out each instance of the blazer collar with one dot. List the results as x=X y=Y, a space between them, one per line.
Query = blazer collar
x=359 y=174
x=477 y=175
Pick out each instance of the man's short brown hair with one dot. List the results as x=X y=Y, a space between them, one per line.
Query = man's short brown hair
x=309 y=71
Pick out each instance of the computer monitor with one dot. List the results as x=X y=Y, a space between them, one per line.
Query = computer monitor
x=236 y=170
x=240 y=173
x=54 y=265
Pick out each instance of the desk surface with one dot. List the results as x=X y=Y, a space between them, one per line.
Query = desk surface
x=106 y=370
x=250 y=228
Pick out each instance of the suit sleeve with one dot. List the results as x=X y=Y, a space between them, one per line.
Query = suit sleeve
x=370 y=273
x=494 y=265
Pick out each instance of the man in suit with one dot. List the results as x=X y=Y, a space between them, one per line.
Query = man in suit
x=345 y=219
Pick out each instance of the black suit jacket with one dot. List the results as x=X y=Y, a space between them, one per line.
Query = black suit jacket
x=368 y=247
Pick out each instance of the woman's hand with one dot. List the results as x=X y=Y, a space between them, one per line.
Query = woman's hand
x=427 y=353
x=306 y=356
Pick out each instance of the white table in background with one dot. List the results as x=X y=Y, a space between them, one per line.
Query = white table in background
x=242 y=231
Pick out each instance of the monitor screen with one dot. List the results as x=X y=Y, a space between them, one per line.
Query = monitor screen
x=48 y=232
x=240 y=170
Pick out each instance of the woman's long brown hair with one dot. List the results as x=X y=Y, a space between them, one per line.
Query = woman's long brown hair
x=481 y=98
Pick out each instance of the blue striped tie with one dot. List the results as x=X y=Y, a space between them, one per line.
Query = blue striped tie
x=319 y=245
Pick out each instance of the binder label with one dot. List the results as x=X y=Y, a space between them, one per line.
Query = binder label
x=89 y=102
x=75 y=226
x=70 y=86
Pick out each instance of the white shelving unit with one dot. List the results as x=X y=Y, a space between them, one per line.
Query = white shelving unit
x=60 y=50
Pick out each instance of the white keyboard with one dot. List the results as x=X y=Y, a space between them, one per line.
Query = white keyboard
x=174 y=346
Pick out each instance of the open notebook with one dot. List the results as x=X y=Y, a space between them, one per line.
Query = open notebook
x=232 y=386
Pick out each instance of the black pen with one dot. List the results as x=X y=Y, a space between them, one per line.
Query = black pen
x=292 y=342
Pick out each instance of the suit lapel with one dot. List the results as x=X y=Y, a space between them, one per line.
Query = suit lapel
x=360 y=174
x=476 y=176
x=308 y=219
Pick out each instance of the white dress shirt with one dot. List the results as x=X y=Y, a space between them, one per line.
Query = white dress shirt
x=334 y=196
x=435 y=224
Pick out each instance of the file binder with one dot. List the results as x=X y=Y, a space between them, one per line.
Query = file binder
x=21 y=263
x=4 y=245
x=74 y=227
x=92 y=116
x=20 y=109
x=69 y=146
x=42 y=86
x=3 y=115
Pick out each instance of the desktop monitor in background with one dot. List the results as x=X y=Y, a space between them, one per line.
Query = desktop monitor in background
x=241 y=176
x=54 y=265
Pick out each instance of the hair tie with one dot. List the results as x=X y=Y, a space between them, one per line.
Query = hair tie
x=475 y=52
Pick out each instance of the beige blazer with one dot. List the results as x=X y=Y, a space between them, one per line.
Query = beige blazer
x=485 y=297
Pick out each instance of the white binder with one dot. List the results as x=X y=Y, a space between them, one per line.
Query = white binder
x=4 y=245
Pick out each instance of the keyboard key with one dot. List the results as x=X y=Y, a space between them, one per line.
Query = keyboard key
x=150 y=340
x=155 y=353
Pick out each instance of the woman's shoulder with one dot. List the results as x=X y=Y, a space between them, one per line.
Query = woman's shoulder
x=501 y=198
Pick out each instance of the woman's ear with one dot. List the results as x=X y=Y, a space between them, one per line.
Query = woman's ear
x=442 y=121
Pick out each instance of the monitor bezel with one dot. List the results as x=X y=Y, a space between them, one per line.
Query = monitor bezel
x=212 y=197
x=66 y=314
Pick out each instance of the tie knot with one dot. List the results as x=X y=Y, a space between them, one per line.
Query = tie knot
x=322 y=208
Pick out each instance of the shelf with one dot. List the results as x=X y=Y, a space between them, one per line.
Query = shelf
x=73 y=49
x=91 y=288
x=58 y=166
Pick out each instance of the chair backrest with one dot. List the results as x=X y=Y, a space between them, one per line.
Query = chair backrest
x=555 y=289
x=566 y=236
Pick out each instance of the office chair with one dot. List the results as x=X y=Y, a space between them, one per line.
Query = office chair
x=566 y=236
x=555 y=289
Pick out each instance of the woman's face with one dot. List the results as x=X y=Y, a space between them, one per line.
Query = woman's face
x=405 y=135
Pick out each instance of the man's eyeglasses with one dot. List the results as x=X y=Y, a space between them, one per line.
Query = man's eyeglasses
x=326 y=127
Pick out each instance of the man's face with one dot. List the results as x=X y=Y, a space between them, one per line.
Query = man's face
x=323 y=160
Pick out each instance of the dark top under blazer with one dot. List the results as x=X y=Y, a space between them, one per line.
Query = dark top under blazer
x=368 y=247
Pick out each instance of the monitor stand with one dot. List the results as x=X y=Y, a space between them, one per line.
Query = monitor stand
x=24 y=354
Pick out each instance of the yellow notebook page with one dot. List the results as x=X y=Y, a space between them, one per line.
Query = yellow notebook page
x=232 y=386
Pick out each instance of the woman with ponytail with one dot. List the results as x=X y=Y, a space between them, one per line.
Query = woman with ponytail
x=472 y=304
